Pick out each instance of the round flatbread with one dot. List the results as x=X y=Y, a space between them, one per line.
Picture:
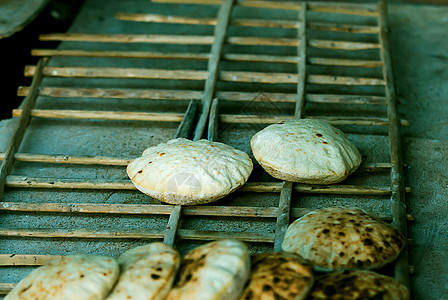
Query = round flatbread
x=186 y=172
x=306 y=150
x=358 y=285
x=214 y=271
x=147 y=273
x=343 y=238
x=76 y=277
x=279 y=275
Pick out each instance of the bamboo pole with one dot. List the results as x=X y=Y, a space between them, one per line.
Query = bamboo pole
x=233 y=76
x=15 y=181
x=22 y=125
x=102 y=115
x=159 y=209
x=190 y=95
x=220 y=33
x=398 y=201
x=284 y=209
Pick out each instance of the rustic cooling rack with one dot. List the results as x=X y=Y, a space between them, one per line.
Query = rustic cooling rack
x=330 y=41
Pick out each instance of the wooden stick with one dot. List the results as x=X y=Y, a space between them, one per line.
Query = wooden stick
x=135 y=234
x=260 y=187
x=213 y=121
x=284 y=208
x=398 y=201
x=22 y=125
x=26 y=260
x=186 y=126
x=190 y=95
x=6 y=287
x=157 y=209
x=261 y=4
x=103 y=115
x=344 y=62
x=124 y=161
x=270 y=119
x=301 y=68
x=172 y=226
x=203 y=40
x=213 y=65
x=352 y=28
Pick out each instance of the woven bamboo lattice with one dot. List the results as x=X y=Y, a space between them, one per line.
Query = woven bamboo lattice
x=321 y=80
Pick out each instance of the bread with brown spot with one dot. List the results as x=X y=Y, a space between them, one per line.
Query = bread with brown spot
x=358 y=285
x=306 y=150
x=213 y=271
x=343 y=239
x=147 y=273
x=279 y=275
x=190 y=172
x=77 y=277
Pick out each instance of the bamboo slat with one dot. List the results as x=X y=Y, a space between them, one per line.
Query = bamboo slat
x=344 y=62
x=212 y=131
x=190 y=95
x=186 y=125
x=220 y=33
x=26 y=260
x=341 y=45
x=398 y=201
x=102 y=115
x=15 y=181
x=284 y=209
x=173 y=225
x=232 y=76
x=158 y=209
x=342 y=27
x=22 y=125
x=6 y=287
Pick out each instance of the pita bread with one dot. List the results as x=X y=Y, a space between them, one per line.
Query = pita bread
x=216 y=270
x=148 y=273
x=306 y=150
x=343 y=238
x=76 y=277
x=279 y=275
x=186 y=172
x=358 y=285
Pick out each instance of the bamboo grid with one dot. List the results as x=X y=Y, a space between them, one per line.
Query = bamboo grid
x=208 y=112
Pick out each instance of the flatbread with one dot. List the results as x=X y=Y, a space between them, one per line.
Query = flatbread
x=343 y=238
x=76 y=277
x=306 y=150
x=358 y=285
x=214 y=271
x=186 y=172
x=147 y=273
x=279 y=275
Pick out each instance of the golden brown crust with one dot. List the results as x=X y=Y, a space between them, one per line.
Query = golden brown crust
x=343 y=238
x=279 y=275
x=358 y=285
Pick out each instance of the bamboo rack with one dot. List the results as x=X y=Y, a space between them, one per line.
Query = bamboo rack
x=205 y=115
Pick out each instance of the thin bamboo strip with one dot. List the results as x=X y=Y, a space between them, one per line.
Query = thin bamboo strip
x=233 y=76
x=114 y=93
x=189 y=95
x=22 y=125
x=342 y=27
x=301 y=68
x=212 y=131
x=362 y=9
x=220 y=33
x=173 y=225
x=202 y=40
x=204 y=21
x=135 y=234
x=283 y=212
x=102 y=115
x=15 y=181
x=120 y=54
x=156 y=18
x=398 y=201
x=123 y=161
x=342 y=45
x=157 y=209
x=26 y=259
x=344 y=62
x=269 y=119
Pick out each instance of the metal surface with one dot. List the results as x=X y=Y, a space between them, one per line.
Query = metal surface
x=329 y=61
